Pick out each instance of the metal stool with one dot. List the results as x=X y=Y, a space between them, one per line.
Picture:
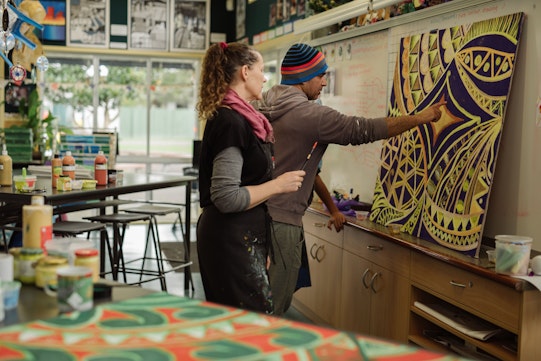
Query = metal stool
x=119 y=223
x=75 y=228
x=154 y=211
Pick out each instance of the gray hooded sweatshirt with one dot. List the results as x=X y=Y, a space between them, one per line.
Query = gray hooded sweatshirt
x=298 y=123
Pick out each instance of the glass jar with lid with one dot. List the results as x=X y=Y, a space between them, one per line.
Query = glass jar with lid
x=46 y=270
x=89 y=257
x=28 y=258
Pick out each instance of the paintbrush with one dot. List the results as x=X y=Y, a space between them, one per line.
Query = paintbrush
x=309 y=155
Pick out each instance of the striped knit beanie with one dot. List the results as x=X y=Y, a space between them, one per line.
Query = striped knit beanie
x=302 y=63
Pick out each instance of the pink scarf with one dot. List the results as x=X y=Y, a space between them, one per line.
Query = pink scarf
x=260 y=124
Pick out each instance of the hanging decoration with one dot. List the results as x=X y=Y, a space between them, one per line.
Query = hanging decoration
x=17 y=37
x=17 y=74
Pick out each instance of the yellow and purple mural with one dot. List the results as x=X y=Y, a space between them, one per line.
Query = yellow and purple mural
x=435 y=179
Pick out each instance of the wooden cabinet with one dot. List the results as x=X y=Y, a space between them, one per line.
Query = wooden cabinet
x=320 y=301
x=375 y=286
x=516 y=312
x=367 y=281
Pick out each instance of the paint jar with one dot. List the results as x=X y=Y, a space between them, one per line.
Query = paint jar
x=512 y=254
x=25 y=183
x=46 y=270
x=63 y=183
x=27 y=262
x=89 y=257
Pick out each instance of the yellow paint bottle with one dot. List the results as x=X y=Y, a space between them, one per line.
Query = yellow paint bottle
x=6 y=169
x=37 y=223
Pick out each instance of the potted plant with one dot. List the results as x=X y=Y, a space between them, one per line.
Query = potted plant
x=42 y=127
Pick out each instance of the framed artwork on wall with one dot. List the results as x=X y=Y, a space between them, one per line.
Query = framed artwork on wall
x=54 y=23
x=88 y=23
x=14 y=94
x=190 y=25
x=148 y=24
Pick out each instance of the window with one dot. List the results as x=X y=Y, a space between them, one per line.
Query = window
x=150 y=103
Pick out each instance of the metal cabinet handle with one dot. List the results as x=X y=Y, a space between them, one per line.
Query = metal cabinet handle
x=461 y=285
x=374 y=248
x=323 y=254
x=366 y=272
x=312 y=254
x=319 y=224
x=372 y=280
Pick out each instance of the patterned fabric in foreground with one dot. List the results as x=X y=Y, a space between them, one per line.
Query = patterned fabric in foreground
x=162 y=327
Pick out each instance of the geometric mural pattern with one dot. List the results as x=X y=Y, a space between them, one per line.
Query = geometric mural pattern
x=435 y=179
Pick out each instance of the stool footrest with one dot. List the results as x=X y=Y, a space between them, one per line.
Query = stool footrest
x=184 y=264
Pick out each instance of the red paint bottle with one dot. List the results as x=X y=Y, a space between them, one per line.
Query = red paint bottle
x=100 y=169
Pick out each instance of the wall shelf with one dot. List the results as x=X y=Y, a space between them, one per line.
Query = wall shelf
x=327 y=18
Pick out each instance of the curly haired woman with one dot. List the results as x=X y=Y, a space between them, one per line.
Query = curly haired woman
x=235 y=179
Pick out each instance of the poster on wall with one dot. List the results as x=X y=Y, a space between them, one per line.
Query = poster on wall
x=148 y=24
x=87 y=23
x=241 y=20
x=15 y=94
x=190 y=25
x=434 y=180
x=54 y=23
x=118 y=33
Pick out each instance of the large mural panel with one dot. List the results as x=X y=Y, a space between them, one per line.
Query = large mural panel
x=435 y=179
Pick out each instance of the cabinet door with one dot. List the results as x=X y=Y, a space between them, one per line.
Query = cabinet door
x=325 y=271
x=375 y=301
x=355 y=307
x=389 y=305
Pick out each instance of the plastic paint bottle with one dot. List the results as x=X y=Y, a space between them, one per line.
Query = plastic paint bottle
x=100 y=169
x=56 y=168
x=37 y=223
x=68 y=165
x=6 y=168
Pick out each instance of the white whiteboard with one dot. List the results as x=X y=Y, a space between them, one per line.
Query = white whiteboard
x=360 y=88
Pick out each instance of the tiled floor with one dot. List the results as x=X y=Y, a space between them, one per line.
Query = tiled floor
x=134 y=247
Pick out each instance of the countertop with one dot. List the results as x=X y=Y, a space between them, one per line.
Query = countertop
x=479 y=265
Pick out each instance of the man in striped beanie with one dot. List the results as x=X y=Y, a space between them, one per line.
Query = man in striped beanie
x=302 y=63
x=301 y=127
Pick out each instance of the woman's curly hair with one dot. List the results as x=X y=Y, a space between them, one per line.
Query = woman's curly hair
x=220 y=64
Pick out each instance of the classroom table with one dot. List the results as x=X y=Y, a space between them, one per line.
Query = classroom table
x=160 y=326
x=34 y=304
x=77 y=200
